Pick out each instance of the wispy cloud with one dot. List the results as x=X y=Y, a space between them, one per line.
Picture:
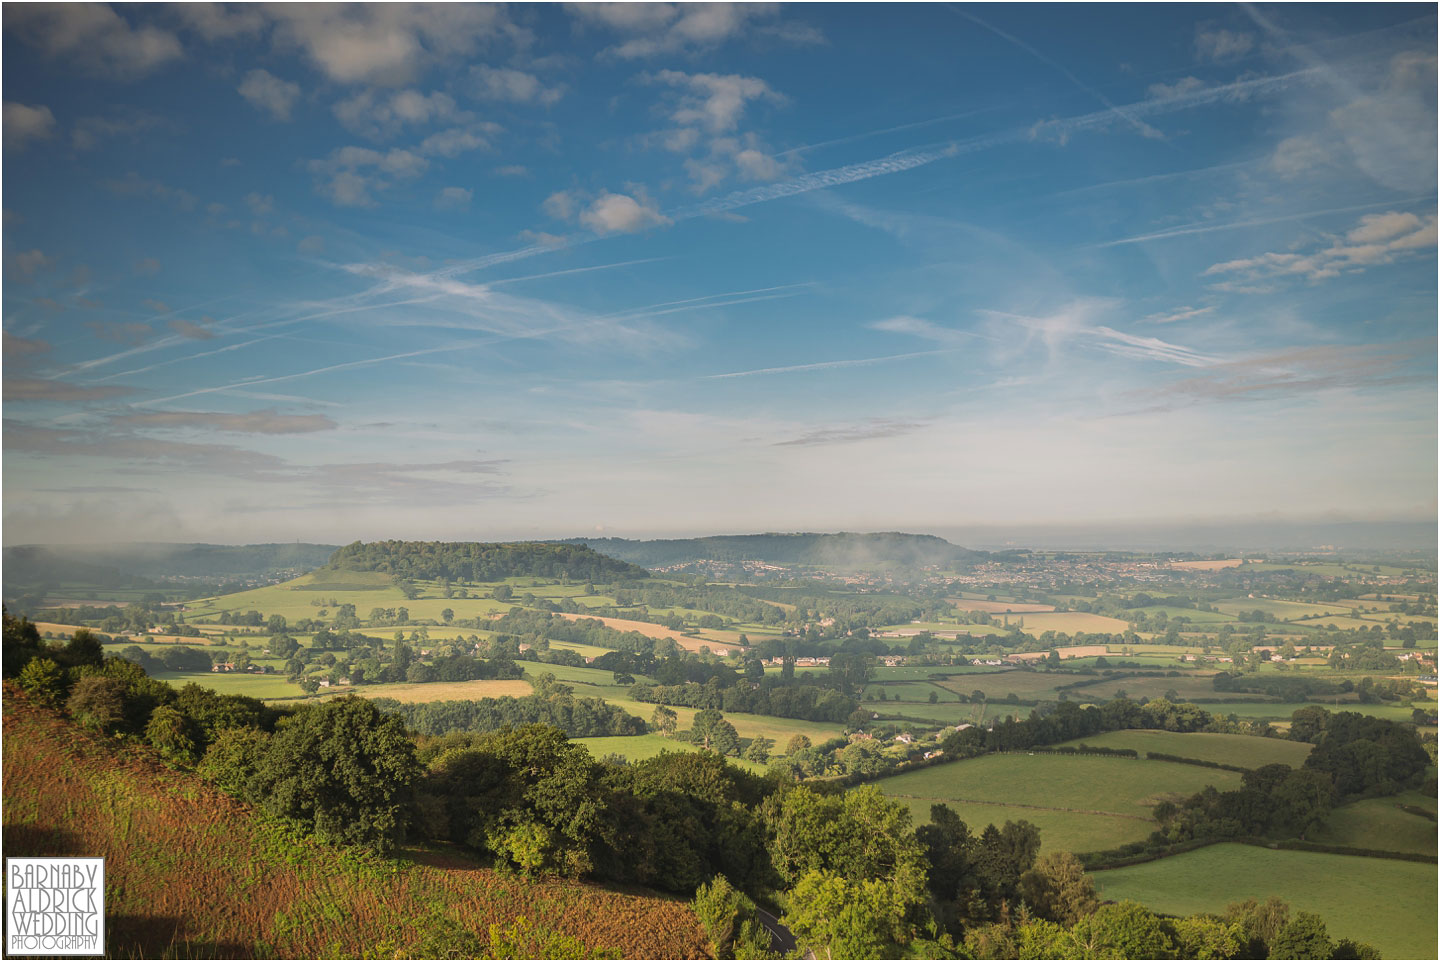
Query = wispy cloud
x=1208 y=228
x=37 y=389
x=827 y=365
x=868 y=430
x=1297 y=371
x=253 y=422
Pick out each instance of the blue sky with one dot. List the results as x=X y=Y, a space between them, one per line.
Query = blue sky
x=302 y=271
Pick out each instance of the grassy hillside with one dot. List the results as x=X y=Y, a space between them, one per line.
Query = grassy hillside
x=191 y=873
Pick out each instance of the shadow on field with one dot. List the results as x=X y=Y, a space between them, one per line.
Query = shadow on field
x=158 y=937
x=40 y=840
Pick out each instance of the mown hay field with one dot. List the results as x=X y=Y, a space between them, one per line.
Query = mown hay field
x=192 y=874
x=442 y=690
x=966 y=604
x=1387 y=903
x=651 y=630
x=1247 y=751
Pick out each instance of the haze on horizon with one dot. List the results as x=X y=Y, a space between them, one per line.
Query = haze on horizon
x=472 y=272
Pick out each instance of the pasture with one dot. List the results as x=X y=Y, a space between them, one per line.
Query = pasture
x=1059 y=831
x=651 y=630
x=637 y=748
x=1281 y=711
x=1387 y=903
x=1380 y=824
x=749 y=726
x=1066 y=783
x=234 y=683
x=1247 y=751
x=1069 y=622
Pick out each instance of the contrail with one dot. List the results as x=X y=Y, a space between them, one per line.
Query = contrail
x=824 y=365
x=904 y=160
x=1258 y=222
x=1145 y=129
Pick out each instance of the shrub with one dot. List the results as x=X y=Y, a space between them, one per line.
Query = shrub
x=44 y=680
x=233 y=758
x=97 y=702
x=172 y=733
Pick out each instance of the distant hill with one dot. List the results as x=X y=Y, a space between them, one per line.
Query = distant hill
x=481 y=561
x=143 y=563
x=845 y=550
x=191 y=873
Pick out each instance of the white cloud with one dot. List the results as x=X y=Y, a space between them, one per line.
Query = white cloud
x=260 y=204
x=621 y=214
x=93 y=38
x=350 y=176
x=458 y=140
x=1376 y=239
x=757 y=165
x=268 y=92
x=29 y=263
x=219 y=21
x=1216 y=44
x=1295 y=155
x=513 y=170
x=451 y=198
x=379 y=116
x=656 y=28
x=88 y=132
x=715 y=102
x=712 y=106
x=314 y=244
x=1391 y=132
x=1383 y=227
x=24 y=124
x=515 y=86
x=384 y=43
x=560 y=205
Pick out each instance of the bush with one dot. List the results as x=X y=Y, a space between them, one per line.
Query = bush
x=731 y=921
x=44 y=680
x=233 y=758
x=343 y=770
x=172 y=733
x=97 y=702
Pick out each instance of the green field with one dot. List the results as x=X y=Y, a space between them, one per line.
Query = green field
x=1387 y=903
x=1245 y=750
x=1059 y=831
x=1085 y=783
x=234 y=683
x=637 y=748
x=1281 y=711
x=1378 y=823
x=923 y=672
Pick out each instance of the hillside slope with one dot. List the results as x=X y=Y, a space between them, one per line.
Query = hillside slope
x=844 y=549
x=191 y=873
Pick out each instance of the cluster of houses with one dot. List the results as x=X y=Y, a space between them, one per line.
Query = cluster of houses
x=228 y=666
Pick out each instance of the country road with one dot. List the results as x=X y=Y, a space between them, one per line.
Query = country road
x=782 y=940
